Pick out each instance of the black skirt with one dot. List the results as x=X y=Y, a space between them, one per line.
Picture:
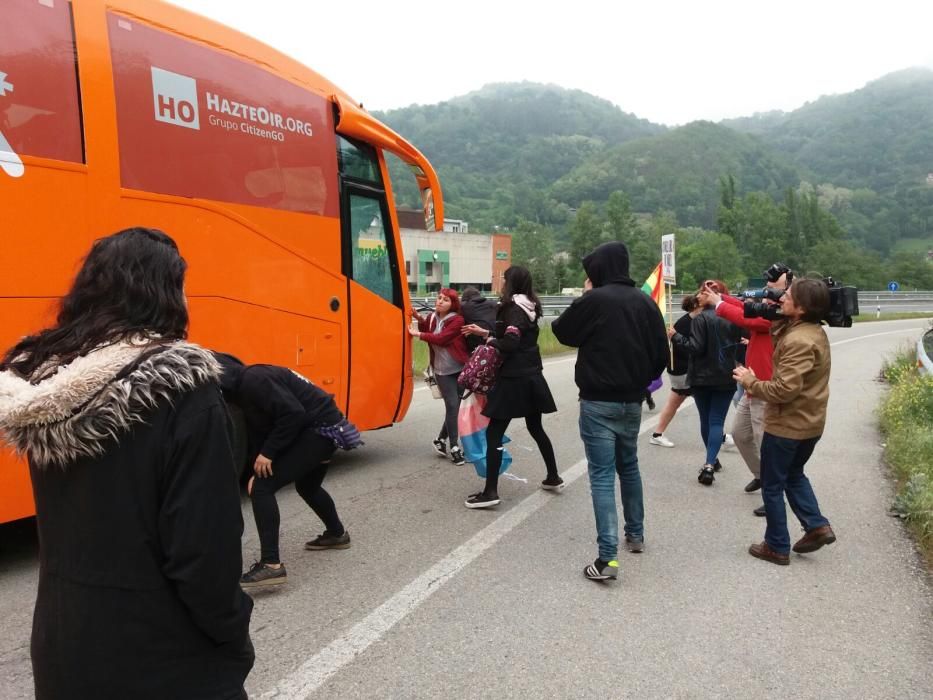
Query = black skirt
x=517 y=397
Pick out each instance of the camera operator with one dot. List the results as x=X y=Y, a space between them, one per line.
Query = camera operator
x=748 y=424
x=796 y=395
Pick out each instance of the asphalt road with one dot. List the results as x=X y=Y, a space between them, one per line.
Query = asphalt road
x=434 y=600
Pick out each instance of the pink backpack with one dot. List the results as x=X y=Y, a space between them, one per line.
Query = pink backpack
x=479 y=373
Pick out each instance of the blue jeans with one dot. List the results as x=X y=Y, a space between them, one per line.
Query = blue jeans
x=609 y=431
x=782 y=461
x=713 y=405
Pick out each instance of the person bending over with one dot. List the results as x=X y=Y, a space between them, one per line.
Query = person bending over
x=293 y=428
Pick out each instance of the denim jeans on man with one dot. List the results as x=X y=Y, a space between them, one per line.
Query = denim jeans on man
x=609 y=431
x=782 y=462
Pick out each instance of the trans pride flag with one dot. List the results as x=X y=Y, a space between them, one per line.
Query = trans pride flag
x=471 y=424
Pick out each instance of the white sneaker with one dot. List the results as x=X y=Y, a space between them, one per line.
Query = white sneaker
x=661 y=440
x=728 y=441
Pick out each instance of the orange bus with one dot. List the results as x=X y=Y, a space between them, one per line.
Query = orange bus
x=118 y=113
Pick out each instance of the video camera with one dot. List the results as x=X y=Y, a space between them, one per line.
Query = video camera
x=843 y=301
x=762 y=309
x=843 y=304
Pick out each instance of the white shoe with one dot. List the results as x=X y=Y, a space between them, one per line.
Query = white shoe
x=661 y=440
x=728 y=441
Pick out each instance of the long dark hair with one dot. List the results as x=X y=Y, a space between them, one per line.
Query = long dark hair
x=518 y=281
x=130 y=284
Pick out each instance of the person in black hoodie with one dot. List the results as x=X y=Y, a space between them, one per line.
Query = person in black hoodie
x=137 y=502
x=712 y=345
x=479 y=311
x=521 y=390
x=293 y=428
x=622 y=345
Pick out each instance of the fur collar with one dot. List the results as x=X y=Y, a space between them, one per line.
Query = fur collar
x=90 y=402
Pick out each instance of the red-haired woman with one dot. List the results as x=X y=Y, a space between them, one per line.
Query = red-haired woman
x=441 y=331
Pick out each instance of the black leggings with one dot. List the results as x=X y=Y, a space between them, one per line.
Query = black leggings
x=494 y=435
x=300 y=463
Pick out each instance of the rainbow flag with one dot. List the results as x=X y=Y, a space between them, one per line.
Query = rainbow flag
x=655 y=288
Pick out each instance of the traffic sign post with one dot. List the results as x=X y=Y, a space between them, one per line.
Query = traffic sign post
x=893 y=286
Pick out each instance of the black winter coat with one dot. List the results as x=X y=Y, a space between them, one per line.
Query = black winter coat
x=521 y=356
x=139 y=520
x=619 y=330
x=712 y=346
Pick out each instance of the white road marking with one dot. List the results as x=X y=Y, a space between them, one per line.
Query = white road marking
x=314 y=672
x=318 y=669
x=875 y=335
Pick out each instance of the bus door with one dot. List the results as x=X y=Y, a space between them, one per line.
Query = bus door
x=376 y=325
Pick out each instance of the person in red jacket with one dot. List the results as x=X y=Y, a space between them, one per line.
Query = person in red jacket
x=441 y=331
x=748 y=424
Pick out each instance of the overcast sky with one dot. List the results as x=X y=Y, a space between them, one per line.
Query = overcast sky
x=668 y=61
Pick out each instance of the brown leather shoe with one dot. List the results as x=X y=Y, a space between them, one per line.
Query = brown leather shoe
x=816 y=538
x=763 y=551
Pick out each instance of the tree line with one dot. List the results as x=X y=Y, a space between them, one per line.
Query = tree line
x=754 y=230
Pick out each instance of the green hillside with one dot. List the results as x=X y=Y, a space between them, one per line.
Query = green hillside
x=874 y=146
x=679 y=171
x=498 y=149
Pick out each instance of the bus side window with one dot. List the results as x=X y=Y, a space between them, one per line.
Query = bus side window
x=371 y=256
x=369 y=253
x=358 y=162
x=40 y=111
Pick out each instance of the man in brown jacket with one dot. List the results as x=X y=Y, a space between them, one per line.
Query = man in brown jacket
x=796 y=397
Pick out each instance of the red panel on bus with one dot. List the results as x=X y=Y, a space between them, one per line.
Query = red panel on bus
x=196 y=122
x=39 y=108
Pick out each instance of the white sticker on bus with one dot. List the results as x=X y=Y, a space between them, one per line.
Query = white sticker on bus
x=10 y=162
x=175 y=99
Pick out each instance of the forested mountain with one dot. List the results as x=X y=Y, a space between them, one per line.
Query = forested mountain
x=874 y=146
x=498 y=149
x=679 y=171
x=841 y=184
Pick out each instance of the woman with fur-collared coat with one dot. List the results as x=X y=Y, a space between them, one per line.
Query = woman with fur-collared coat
x=137 y=500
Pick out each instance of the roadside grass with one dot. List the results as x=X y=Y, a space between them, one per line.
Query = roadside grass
x=897 y=316
x=906 y=417
x=546 y=341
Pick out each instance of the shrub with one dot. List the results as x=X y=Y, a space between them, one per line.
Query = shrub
x=907 y=422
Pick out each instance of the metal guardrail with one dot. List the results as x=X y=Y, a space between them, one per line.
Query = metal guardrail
x=869 y=301
x=924 y=352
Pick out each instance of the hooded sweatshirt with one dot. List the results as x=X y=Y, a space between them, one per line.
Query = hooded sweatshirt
x=618 y=329
x=277 y=404
x=481 y=311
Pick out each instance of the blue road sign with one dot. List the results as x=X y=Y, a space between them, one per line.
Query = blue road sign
x=893 y=286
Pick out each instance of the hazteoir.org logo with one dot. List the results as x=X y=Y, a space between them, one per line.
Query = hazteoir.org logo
x=175 y=98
